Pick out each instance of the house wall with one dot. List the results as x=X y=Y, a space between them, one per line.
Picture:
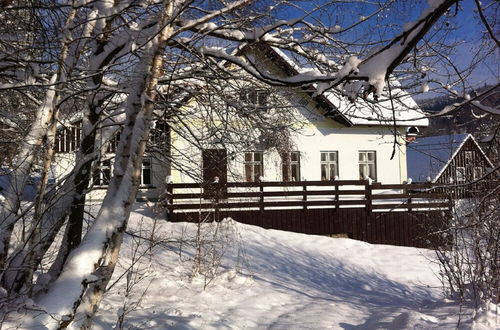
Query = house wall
x=449 y=174
x=312 y=134
x=348 y=142
x=64 y=163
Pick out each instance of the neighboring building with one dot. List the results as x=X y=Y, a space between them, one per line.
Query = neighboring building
x=455 y=158
x=332 y=139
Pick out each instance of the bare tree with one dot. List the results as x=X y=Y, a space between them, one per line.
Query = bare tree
x=121 y=60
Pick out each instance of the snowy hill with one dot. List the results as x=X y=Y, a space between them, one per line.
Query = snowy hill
x=271 y=279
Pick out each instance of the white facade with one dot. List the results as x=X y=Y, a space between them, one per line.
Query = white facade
x=152 y=183
x=361 y=144
x=315 y=134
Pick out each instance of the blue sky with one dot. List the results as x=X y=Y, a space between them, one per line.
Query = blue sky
x=468 y=29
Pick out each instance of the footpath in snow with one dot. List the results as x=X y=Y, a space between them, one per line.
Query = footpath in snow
x=270 y=279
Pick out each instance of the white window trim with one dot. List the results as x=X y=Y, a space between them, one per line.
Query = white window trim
x=329 y=163
x=101 y=174
x=460 y=174
x=480 y=175
x=289 y=165
x=253 y=163
x=367 y=162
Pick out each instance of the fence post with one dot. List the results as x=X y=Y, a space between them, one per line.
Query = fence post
x=368 y=194
x=261 y=199
x=304 y=196
x=169 y=200
x=337 y=197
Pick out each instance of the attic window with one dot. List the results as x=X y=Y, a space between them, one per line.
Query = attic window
x=478 y=173
x=460 y=174
x=468 y=157
x=254 y=97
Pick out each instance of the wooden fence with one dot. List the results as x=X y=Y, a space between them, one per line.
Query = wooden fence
x=378 y=213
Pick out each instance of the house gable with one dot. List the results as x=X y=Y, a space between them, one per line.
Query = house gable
x=441 y=158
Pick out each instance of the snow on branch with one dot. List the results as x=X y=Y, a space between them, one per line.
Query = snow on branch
x=374 y=69
x=485 y=108
x=378 y=66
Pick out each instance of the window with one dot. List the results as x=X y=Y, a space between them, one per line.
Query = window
x=291 y=166
x=102 y=174
x=254 y=168
x=159 y=136
x=367 y=165
x=477 y=173
x=68 y=138
x=460 y=174
x=146 y=172
x=254 y=97
x=113 y=142
x=468 y=157
x=329 y=165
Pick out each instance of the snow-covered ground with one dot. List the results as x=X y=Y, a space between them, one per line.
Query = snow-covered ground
x=274 y=279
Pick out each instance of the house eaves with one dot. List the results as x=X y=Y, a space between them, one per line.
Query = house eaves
x=290 y=69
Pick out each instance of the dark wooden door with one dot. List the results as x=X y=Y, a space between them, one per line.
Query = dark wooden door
x=215 y=173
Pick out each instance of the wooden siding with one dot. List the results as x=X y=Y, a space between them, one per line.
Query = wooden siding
x=412 y=229
x=449 y=175
x=384 y=214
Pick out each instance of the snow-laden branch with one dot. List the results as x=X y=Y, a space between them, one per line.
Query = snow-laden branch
x=475 y=101
x=486 y=108
x=375 y=69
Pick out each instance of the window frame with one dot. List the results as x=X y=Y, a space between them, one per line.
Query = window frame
x=462 y=177
x=68 y=138
x=287 y=165
x=256 y=97
x=368 y=162
x=480 y=175
x=99 y=173
x=253 y=163
x=328 y=163
x=146 y=168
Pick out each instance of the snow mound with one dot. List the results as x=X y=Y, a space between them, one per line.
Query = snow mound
x=270 y=279
x=413 y=320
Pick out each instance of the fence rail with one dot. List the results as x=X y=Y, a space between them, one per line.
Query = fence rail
x=394 y=214
x=264 y=196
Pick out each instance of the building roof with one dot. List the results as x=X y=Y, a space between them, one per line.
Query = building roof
x=361 y=112
x=365 y=112
x=428 y=157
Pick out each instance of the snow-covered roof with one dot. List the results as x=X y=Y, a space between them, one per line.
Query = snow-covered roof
x=428 y=157
x=365 y=112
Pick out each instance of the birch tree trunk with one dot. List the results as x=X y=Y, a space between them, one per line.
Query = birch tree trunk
x=90 y=266
x=21 y=263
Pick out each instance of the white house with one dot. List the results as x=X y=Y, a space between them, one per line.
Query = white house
x=329 y=138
